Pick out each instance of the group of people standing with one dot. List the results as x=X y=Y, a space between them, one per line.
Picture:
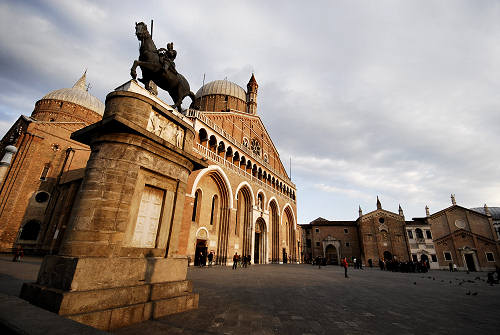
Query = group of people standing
x=242 y=261
x=409 y=266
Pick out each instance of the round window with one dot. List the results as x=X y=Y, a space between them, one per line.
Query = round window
x=42 y=197
x=460 y=223
x=381 y=220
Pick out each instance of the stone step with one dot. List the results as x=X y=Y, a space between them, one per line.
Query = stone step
x=77 y=302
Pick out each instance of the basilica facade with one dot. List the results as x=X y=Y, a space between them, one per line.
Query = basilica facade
x=243 y=202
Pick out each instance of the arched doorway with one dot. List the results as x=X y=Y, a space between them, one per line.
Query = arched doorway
x=425 y=258
x=387 y=256
x=331 y=255
x=200 y=258
x=243 y=224
x=260 y=243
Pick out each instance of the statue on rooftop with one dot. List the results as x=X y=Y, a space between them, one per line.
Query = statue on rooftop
x=158 y=68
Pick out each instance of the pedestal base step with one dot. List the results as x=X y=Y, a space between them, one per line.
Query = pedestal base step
x=117 y=307
x=114 y=318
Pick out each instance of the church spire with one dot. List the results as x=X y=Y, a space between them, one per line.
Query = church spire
x=82 y=82
x=379 y=205
x=401 y=211
x=360 y=211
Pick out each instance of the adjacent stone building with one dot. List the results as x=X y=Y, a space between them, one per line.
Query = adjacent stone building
x=468 y=238
x=420 y=242
x=464 y=237
x=244 y=202
x=379 y=234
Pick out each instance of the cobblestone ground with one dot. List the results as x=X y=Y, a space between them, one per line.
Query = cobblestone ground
x=302 y=299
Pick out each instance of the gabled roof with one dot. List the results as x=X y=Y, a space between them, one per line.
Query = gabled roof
x=252 y=118
x=453 y=207
x=324 y=222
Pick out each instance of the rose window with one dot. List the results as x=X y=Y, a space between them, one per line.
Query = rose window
x=255 y=146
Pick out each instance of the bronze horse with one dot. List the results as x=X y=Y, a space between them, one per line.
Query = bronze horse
x=153 y=70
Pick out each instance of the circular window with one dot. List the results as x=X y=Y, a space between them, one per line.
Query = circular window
x=42 y=197
x=381 y=220
x=255 y=146
x=460 y=223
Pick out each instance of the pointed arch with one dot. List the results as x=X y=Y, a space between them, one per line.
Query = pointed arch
x=289 y=216
x=245 y=183
x=274 y=219
x=245 y=202
x=211 y=169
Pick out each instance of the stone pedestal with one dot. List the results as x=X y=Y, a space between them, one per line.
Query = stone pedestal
x=119 y=263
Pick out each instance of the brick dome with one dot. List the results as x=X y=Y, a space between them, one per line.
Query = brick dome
x=79 y=95
x=222 y=87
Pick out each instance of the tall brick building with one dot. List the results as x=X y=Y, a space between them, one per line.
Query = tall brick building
x=46 y=157
x=243 y=202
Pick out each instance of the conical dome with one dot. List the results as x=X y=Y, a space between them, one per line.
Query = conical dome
x=79 y=95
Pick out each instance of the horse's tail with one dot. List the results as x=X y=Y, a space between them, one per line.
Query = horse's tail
x=192 y=96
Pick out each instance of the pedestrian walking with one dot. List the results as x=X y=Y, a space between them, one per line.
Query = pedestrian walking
x=236 y=257
x=210 y=258
x=345 y=265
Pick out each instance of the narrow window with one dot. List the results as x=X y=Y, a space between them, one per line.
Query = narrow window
x=45 y=171
x=489 y=257
x=428 y=234
x=214 y=207
x=346 y=231
x=410 y=234
x=347 y=244
x=447 y=256
x=317 y=230
x=434 y=258
x=195 y=206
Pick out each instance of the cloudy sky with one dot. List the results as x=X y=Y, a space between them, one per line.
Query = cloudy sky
x=399 y=99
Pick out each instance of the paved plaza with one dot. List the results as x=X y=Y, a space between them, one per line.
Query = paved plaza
x=302 y=299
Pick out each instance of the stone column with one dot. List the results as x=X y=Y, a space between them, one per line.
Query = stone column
x=119 y=261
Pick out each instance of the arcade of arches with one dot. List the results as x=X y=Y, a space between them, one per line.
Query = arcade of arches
x=226 y=215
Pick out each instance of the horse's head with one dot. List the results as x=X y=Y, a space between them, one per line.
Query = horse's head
x=141 y=30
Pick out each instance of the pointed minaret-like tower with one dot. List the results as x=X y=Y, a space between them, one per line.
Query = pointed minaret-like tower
x=379 y=205
x=401 y=211
x=427 y=212
x=252 y=87
x=360 y=212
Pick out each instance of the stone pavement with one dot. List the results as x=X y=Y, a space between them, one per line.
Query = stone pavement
x=300 y=299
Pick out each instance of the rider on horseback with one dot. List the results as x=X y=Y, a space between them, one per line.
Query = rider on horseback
x=167 y=57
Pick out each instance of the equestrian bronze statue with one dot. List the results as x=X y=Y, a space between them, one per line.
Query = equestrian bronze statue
x=158 y=68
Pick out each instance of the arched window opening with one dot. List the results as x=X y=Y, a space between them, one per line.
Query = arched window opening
x=214 y=209
x=419 y=233
x=196 y=206
x=243 y=161
x=236 y=157
x=260 y=201
x=249 y=165
x=221 y=147
x=30 y=231
x=202 y=134
x=229 y=152
x=212 y=142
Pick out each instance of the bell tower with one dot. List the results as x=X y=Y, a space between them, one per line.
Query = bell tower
x=252 y=96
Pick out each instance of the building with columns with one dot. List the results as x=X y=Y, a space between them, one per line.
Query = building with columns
x=244 y=202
